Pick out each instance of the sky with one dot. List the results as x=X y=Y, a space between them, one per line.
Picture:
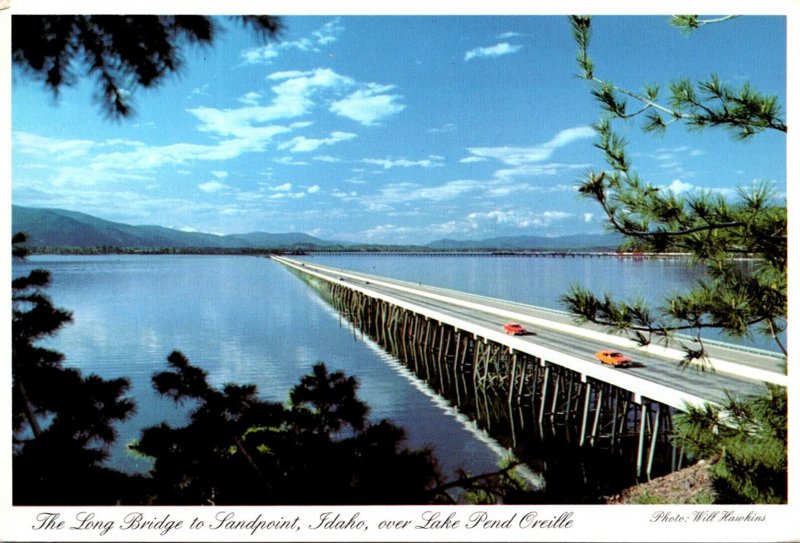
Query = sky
x=392 y=129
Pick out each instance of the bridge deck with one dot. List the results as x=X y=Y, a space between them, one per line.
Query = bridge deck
x=656 y=374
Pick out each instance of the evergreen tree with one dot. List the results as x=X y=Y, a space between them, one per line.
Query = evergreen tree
x=63 y=422
x=747 y=438
x=120 y=52
x=320 y=449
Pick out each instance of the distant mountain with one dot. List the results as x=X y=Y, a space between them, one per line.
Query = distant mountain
x=62 y=228
x=532 y=243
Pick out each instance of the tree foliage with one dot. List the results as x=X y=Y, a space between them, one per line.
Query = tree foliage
x=63 y=422
x=320 y=449
x=744 y=438
x=119 y=52
x=711 y=228
x=747 y=443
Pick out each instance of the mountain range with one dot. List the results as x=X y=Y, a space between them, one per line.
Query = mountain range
x=63 y=229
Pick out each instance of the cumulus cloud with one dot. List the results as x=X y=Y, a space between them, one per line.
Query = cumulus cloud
x=368 y=106
x=677 y=186
x=498 y=50
x=293 y=97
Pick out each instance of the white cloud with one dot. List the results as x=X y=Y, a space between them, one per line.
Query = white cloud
x=289 y=161
x=537 y=170
x=325 y=35
x=326 y=158
x=313 y=189
x=368 y=106
x=251 y=98
x=212 y=186
x=447 y=127
x=260 y=55
x=282 y=188
x=302 y=144
x=516 y=156
x=219 y=174
x=500 y=49
x=677 y=186
x=516 y=218
x=199 y=91
x=388 y=164
x=587 y=217
x=293 y=98
x=57 y=149
x=287 y=195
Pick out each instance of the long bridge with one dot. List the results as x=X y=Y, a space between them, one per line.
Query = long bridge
x=552 y=370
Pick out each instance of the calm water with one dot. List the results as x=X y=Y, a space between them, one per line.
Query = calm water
x=243 y=319
x=249 y=320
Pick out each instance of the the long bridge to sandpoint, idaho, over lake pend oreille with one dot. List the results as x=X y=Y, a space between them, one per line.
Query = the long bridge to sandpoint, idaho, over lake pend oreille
x=455 y=341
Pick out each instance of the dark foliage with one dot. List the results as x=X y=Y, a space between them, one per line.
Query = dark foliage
x=62 y=421
x=239 y=449
x=119 y=52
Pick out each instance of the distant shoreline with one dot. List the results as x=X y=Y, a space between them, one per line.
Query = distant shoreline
x=412 y=252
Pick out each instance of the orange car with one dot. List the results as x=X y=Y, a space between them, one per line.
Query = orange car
x=613 y=358
x=514 y=329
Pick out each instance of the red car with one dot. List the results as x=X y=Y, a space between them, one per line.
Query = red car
x=514 y=329
x=613 y=358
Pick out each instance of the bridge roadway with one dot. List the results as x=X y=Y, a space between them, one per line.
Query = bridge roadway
x=656 y=373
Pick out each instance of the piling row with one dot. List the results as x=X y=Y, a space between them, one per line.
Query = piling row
x=525 y=395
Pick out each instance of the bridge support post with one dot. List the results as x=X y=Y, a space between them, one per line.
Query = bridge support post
x=653 y=439
x=512 y=378
x=587 y=397
x=543 y=394
x=597 y=409
x=642 y=418
x=554 y=404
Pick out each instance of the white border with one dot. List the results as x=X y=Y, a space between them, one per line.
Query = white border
x=590 y=523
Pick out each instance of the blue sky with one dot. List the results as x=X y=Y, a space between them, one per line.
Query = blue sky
x=391 y=129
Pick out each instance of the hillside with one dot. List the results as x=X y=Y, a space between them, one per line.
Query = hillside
x=60 y=228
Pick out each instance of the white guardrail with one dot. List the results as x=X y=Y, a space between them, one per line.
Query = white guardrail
x=716 y=364
x=642 y=388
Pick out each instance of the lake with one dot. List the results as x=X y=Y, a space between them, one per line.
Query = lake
x=249 y=320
